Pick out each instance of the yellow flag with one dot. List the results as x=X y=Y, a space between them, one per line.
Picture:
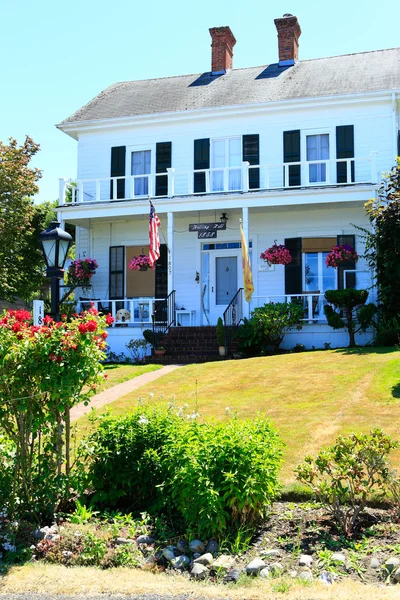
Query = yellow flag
x=247 y=274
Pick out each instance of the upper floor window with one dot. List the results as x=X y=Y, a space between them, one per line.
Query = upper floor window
x=225 y=154
x=317 y=149
x=141 y=165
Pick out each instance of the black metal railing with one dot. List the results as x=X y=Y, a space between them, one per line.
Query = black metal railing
x=163 y=317
x=233 y=316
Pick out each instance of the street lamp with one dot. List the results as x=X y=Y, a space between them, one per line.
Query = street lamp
x=55 y=245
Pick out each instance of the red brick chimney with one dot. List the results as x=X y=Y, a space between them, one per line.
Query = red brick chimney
x=222 y=45
x=288 y=39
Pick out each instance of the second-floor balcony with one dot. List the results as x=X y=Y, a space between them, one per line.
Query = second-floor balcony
x=243 y=178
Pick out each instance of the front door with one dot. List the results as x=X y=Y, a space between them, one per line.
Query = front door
x=224 y=283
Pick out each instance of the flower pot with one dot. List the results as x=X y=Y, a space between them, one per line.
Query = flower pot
x=143 y=268
x=159 y=351
x=221 y=350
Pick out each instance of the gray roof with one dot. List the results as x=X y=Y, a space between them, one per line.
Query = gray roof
x=348 y=74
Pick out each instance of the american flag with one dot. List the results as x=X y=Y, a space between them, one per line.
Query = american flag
x=154 y=240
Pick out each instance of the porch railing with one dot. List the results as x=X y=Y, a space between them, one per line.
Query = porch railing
x=163 y=317
x=232 y=317
x=241 y=178
x=129 y=311
x=312 y=303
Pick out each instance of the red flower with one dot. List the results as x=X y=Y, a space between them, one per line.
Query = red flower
x=93 y=311
x=82 y=328
x=47 y=320
x=59 y=358
x=64 y=317
x=22 y=315
x=104 y=335
x=109 y=319
x=16 y=327
x=91 y=326
x=52 y=357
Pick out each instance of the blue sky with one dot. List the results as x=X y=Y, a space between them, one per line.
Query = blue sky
x=57 y=55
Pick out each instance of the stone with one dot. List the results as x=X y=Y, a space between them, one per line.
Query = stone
x=276 y=568
x=273 y=553
x=375 y=563
x=396 y=576
x=145 y=539
x=204 y=559
x=305 y=570
x=305 y=560
x=53 y=537
x=326 y=578
x=196 y=546
x=338 y=558
x=223 y=562
x=232 y=576
x=391 y=564
x=199 y=571
x=168 y=554
x=255 y=566
x=293 y=574
x=180 y=563
x=196 y=555
x=305 y=576
x=40 y=534
x=120 y=541
x=265 y=573
x=212 y=547
x=183 y=546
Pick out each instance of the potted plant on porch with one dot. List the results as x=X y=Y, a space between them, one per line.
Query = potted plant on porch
x=220 y=334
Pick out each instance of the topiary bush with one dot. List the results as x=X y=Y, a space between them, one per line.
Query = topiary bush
x=344 y=476
x=213 y=476
x=350 y=311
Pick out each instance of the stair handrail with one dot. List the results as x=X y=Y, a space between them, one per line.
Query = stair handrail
x=165 y=307
x=233 y=316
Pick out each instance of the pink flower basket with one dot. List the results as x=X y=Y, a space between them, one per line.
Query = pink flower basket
x=81 y=271
x=277 y=254
x=140 y=263
x=341 y=254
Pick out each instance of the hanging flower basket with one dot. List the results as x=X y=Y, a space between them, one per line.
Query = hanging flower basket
x=140 y=263
x=81 y=271
x=340 y=254
x=277 y=254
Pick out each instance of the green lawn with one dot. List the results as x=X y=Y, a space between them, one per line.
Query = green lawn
x=310 y=397
x=120 y=373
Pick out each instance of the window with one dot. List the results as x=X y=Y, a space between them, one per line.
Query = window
x=226 y=153
x=116 y=272
x=317 y=277
x=141 y=165
x=317 y=149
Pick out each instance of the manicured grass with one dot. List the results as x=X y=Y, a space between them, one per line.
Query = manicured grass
x=120 y=373
x=310 y=397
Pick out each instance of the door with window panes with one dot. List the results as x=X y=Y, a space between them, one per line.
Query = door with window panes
x=318 y=278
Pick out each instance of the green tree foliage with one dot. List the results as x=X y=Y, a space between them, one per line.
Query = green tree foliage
x=383 y=242
x=344 y=476
x=350 y=311
x=18 y=184
x=268 y=325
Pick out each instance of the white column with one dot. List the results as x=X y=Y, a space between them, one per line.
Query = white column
x=245 y=226
x=170 y=236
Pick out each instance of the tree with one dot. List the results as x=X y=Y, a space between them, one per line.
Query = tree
x=383 y=242
x=18 y=185
x=350 y=312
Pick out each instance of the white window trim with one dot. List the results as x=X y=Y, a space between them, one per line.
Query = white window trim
x=320 y=264
x=331 y=131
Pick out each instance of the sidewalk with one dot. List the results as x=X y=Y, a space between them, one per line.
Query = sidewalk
x=119 y=390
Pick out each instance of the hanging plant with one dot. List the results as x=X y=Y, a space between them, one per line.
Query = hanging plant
x=277 y=254
x=140 y=263
x=81 y=271
x=340 y=254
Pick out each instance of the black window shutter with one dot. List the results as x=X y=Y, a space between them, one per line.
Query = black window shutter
x=118 y=154
x=201 y=161
x=349 y=240
x=116 y=272
x=251 y=154
x=291 y=153
x=344 y=149
x=293 y=271
x=161 y=282
x=163 y=162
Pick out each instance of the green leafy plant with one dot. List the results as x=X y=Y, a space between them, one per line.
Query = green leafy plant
x=387 y=331
x=81 y=514
x=344 y=475
x=137 y=349
x=268 y=325
x=350 y=311
x=220 y=332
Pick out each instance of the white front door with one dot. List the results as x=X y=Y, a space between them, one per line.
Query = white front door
x=224 y=280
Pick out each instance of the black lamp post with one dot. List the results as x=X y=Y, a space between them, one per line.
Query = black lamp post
x=55 y=245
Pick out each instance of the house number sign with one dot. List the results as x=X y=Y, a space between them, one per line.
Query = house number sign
x=207 y=230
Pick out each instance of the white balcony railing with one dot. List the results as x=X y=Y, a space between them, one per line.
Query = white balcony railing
x=312 y=303
x=128 y=311
x=242 y=178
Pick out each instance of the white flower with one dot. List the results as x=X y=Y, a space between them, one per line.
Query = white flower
x=227 y=410
x=143 y=420
x=151 y=395
x=15 y=524
x=33 y=547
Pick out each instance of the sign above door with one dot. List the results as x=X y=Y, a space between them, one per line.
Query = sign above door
x=207 y=230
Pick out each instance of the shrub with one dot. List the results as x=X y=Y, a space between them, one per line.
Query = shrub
x=137 y=349
x=387 y=332
x=224 y=475
x=215 y=476
x=350 y=309
x=268 y=325
x=220 y=332
x=344 y=475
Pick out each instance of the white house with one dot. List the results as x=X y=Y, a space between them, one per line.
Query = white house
x=293 y=149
